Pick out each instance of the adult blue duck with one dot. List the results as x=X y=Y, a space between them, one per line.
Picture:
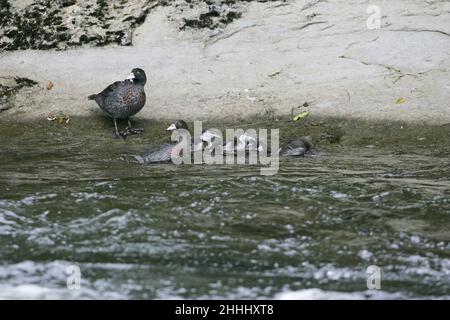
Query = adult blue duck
x=123 y=99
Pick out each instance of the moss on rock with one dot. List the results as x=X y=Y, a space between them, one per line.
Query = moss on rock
x=60 y=24
x=9 y=87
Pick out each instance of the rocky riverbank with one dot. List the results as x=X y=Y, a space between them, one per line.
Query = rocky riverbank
x=228 y=59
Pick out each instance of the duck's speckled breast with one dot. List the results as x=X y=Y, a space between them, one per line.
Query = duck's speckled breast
x=131 y=100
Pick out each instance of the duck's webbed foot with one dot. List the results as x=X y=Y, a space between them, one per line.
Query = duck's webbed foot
x=131 y=130
x=120 y=134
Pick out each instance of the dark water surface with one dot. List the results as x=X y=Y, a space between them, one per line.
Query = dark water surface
x=198 y=231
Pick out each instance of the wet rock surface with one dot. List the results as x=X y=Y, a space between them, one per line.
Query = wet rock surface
x=229 y=60
x=212 y=15
x=48 y=24
x=10 y=87
x=60 y=24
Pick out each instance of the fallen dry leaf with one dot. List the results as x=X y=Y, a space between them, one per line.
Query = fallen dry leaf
x=301 y=115
x=273 y=74
x=400 y=100
x=50 y=85
x=59 y=119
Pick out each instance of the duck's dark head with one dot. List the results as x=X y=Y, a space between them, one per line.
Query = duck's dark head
x=179 y=124
x=137 y=76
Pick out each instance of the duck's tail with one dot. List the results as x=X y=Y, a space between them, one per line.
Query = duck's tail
x=92 y=97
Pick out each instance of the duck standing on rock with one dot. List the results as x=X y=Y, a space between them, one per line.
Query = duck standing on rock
x=123 y=99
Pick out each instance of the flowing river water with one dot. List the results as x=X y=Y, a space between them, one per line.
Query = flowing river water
x=72 y=197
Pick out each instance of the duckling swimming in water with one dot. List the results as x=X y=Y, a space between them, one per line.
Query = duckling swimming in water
x=296 y=148
x=163 y=153
x=245 y=142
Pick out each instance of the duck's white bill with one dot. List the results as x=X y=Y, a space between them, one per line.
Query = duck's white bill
x=171 y=127
x=130 y=77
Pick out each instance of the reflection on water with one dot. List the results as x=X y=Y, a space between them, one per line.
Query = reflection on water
x=165 y=231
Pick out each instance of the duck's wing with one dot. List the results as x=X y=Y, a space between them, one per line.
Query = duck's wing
x=110 y=92
x=100 y=97
x=113 y=87
x=299 y=147
x=295 y=151
x=162 y=153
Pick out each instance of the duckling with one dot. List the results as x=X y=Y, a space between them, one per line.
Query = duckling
x=296 y=148
x=163 y=153
x=245 y=142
